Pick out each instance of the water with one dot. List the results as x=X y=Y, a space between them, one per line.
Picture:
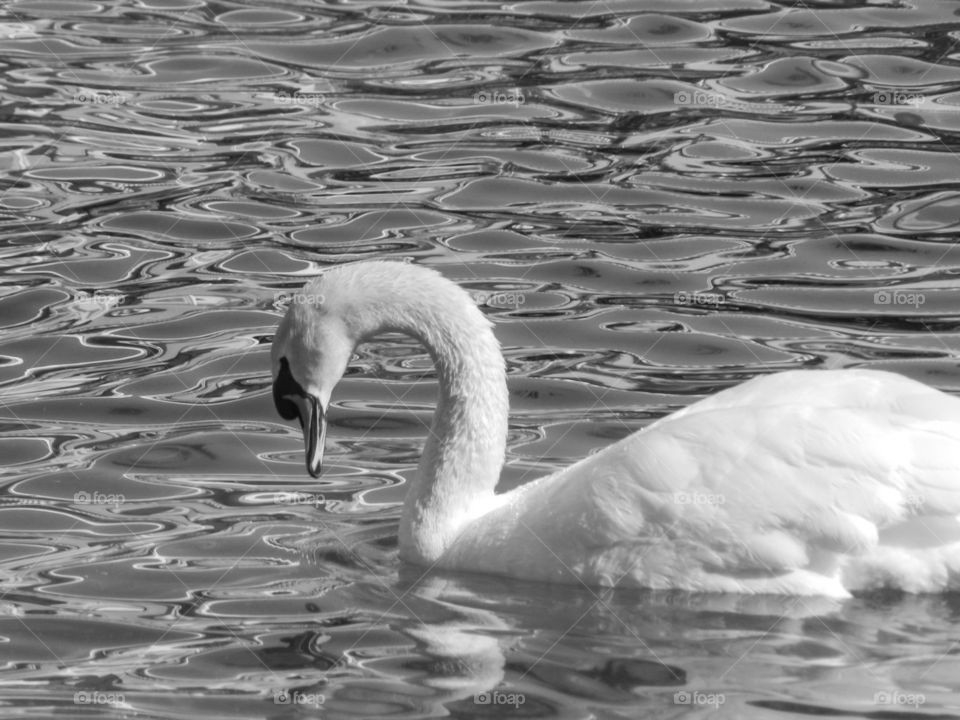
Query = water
x=652 y=201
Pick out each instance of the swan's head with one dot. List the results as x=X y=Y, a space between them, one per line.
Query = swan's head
x=309 y=355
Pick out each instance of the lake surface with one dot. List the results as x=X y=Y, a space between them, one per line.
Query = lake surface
x=652 y=201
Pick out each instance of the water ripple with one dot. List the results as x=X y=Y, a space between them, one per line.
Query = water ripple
x=650 y=204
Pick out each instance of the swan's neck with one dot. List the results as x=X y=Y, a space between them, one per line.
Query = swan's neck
x=464 y=451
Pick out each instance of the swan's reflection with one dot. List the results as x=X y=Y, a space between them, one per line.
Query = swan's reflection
x=471 y=632
x=454 y=639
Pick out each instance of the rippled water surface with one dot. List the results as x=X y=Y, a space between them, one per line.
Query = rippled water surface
x=651 y=200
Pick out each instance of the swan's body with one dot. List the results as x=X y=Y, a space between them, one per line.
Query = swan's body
x=803 y=482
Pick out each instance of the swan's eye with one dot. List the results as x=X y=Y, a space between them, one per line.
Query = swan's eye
x=285 y=385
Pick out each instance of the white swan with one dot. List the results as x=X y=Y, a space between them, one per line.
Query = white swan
x=802 y=482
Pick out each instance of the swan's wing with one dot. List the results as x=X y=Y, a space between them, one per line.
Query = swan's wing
x=870 y=390
x=746 y=491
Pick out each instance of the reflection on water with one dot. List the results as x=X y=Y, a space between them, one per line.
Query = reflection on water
x=651 y=201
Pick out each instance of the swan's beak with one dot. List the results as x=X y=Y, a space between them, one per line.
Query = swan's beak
x=315 y=434
x=313 y=420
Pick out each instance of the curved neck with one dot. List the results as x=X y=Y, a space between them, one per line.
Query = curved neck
x=465 y=448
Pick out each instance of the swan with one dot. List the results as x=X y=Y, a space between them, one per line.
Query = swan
x=803 y=482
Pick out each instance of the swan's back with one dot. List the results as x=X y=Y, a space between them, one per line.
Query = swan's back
x=801 y=482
